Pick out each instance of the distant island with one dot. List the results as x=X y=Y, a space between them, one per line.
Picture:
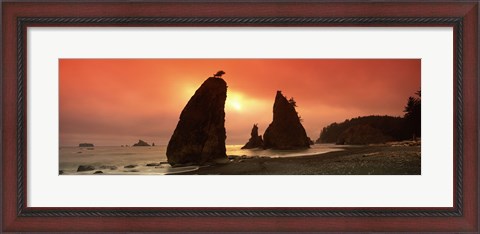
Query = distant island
x=141 y=143
x=86 y=145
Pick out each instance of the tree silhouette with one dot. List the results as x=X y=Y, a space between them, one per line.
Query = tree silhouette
x=413 y=115
x=292 y=102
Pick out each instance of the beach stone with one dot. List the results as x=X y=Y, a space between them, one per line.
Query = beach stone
x=286 y=132
x=255 y=140
x=108 y=167
x=85 y=168
x=134 y=170
x=152 y=164
x=98 y=172
x=200 y=133
x=61 y=172
x=130 y=166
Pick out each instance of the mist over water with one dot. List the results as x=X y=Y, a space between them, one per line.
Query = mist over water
x=72 y=157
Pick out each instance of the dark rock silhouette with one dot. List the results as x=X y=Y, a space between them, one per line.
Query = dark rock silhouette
x=85 y=145
x=98 y=172
x=85 y=168
x=200 y=133
x=141 y=143
x=285 y=132
x=255 y=140
x=362 y=135
x=130 y=166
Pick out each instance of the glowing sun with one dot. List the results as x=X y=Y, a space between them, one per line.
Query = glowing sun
x=236 y=105
x=235 y=101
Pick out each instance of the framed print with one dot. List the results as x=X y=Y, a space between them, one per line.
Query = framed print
x=259 y=116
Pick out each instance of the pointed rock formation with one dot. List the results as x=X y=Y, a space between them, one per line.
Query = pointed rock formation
x=141 y=143
x=200 y=133
x=285 y=132
x=255 y=140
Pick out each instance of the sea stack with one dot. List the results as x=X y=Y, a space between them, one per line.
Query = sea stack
x=141 y=143
x=285 y=132
x=200 y=133
x=255 y=140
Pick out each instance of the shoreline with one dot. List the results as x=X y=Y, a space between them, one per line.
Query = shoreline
x=361 y=160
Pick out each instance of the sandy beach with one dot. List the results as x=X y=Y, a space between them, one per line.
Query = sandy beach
x=361 y=160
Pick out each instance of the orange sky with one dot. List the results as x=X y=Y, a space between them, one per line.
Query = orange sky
x=118 y=101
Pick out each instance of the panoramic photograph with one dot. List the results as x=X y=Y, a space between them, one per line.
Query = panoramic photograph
x=239 y=117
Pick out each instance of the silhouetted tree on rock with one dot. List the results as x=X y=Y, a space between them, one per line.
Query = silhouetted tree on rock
x=413 y=115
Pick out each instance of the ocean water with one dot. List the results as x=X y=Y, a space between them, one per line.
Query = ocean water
x=71 y=157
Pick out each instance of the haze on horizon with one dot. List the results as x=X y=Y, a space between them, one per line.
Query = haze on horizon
x=113 y=102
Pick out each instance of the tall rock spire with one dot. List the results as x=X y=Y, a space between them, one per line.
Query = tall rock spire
x=255 y=140
x=285 y=132
x=200 y=133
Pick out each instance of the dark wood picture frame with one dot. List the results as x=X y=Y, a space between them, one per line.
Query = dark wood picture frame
x=17 y=16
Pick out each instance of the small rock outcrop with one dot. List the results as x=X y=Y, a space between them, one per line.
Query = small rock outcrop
x=255 y=140
x=141 y=143
x=285 y=132
x=85 y=168
x=86 y=145
x=108 y=167
x=200 y=133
